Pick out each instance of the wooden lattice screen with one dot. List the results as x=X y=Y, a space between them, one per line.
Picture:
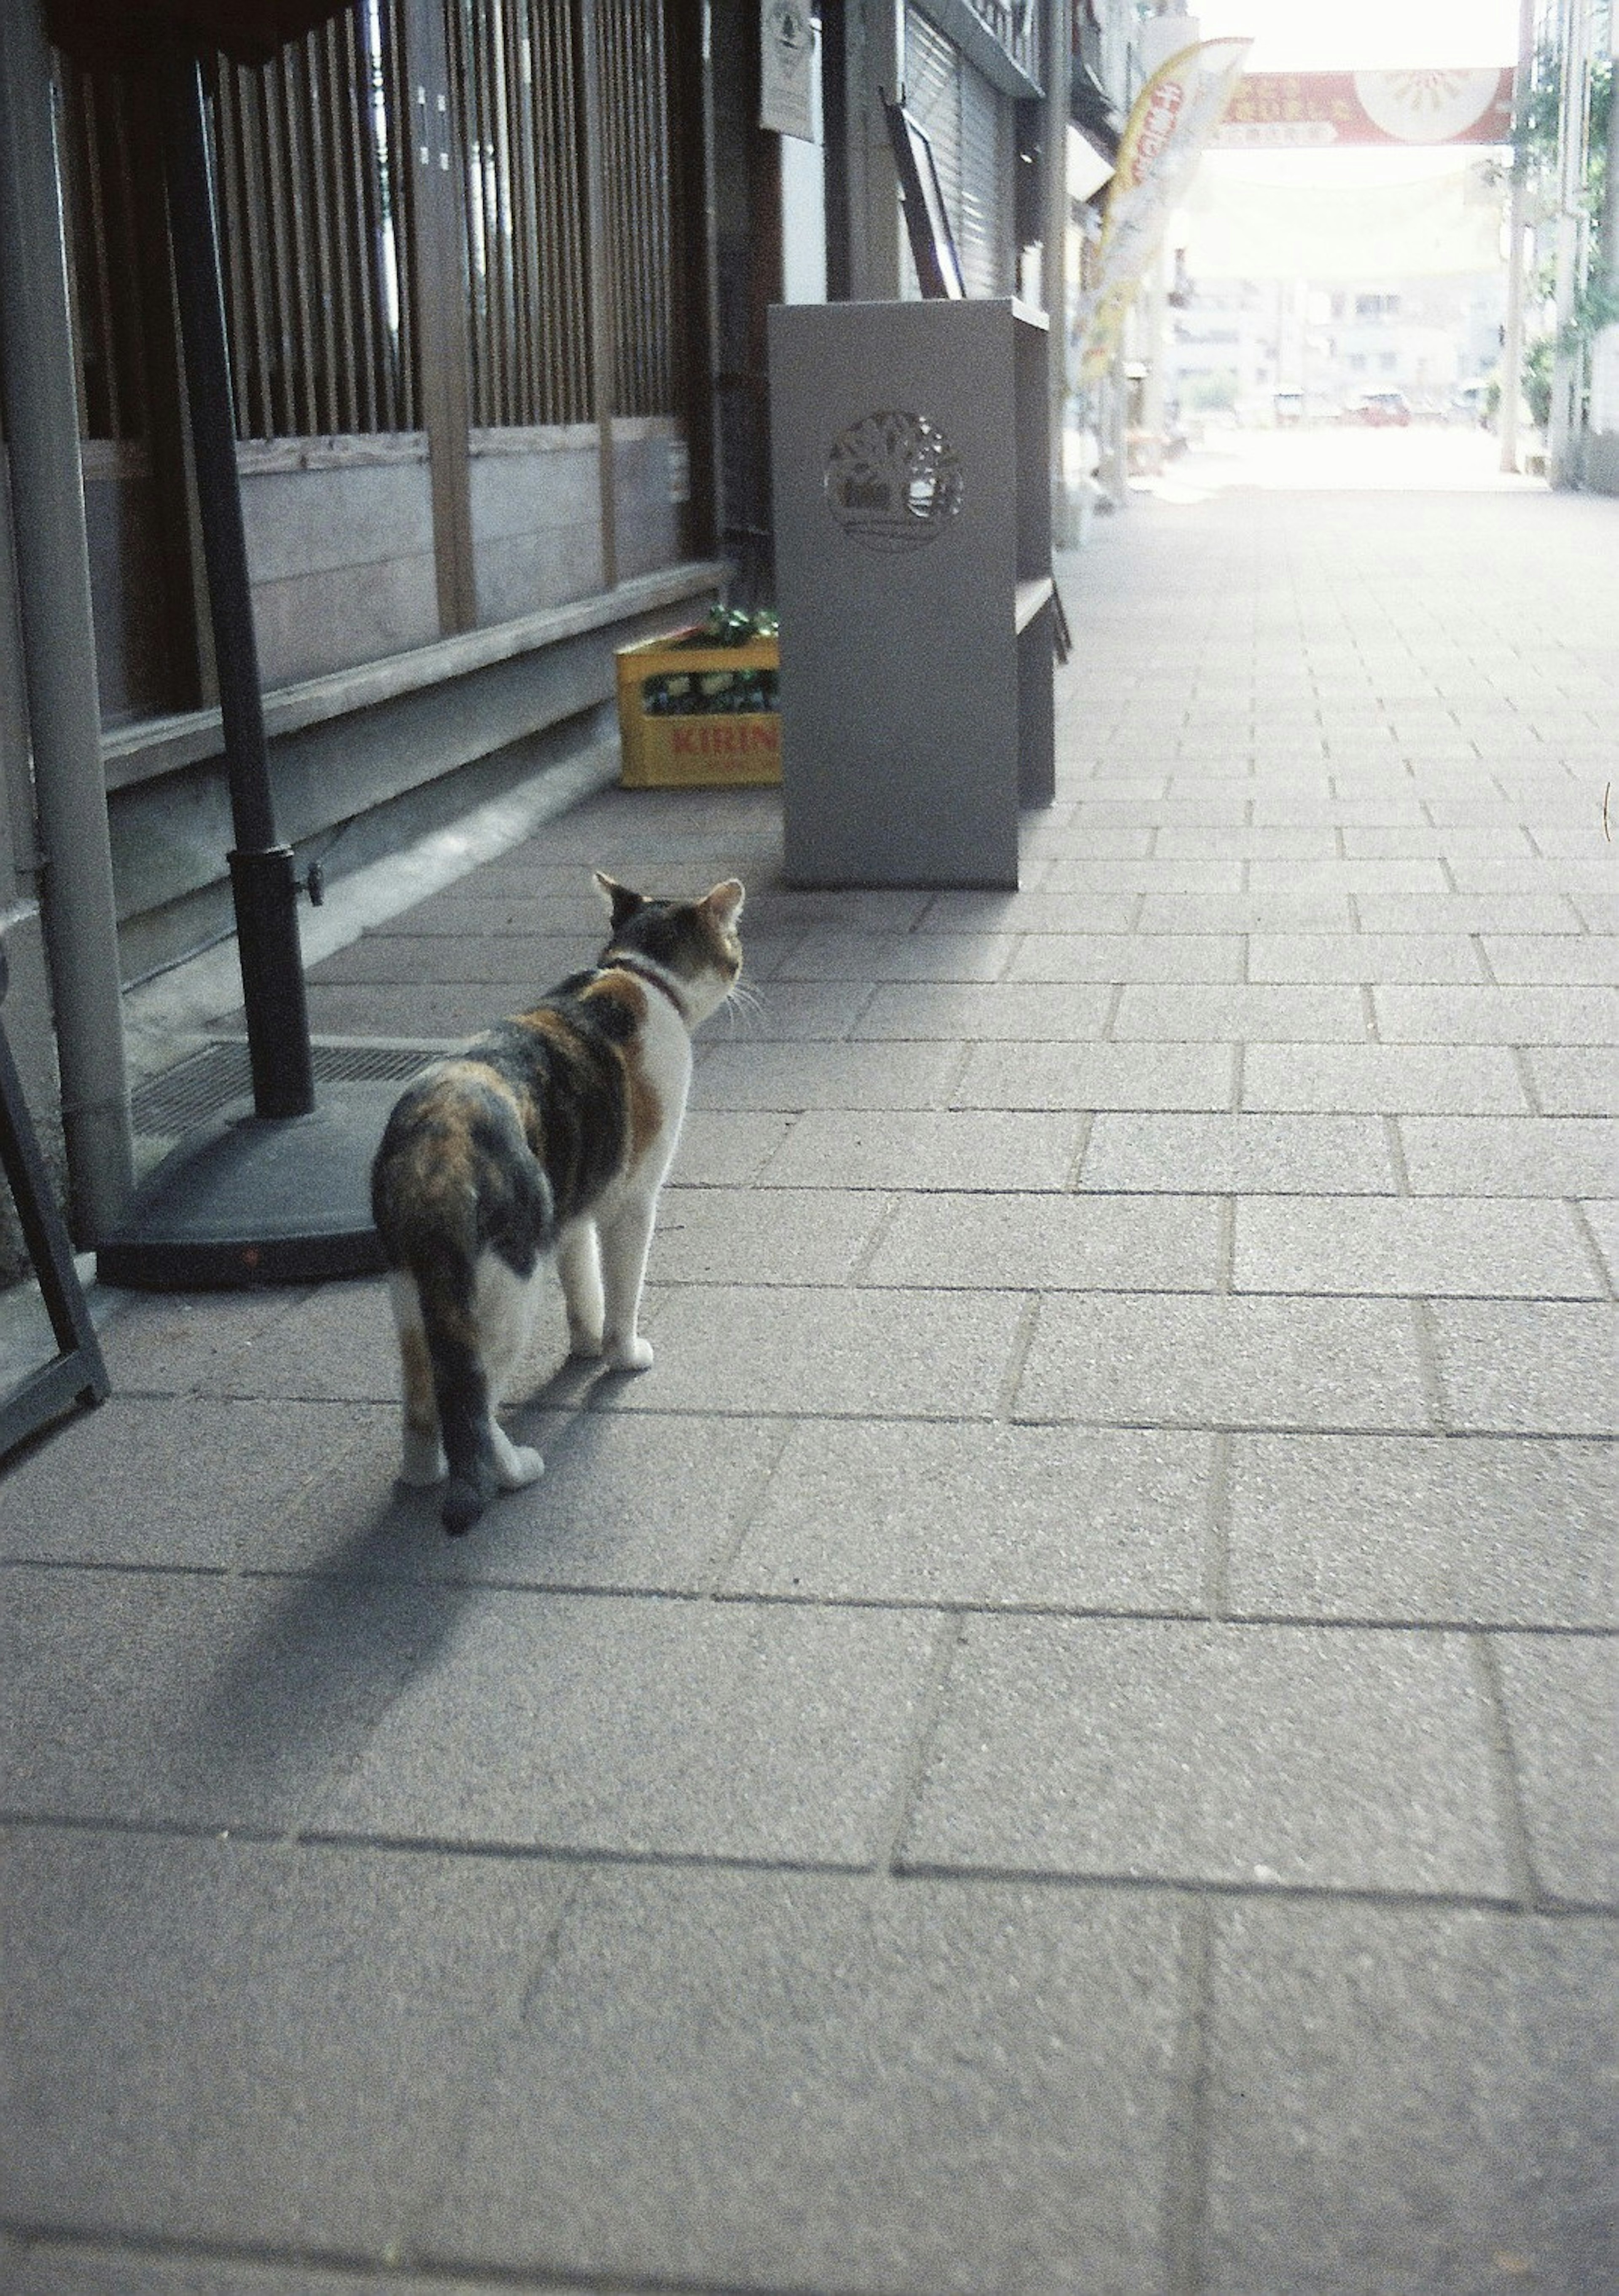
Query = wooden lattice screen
x=316 y=224
x=515 y=77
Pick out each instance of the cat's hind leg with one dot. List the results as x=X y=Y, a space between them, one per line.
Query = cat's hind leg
x=503 y=1307
x=579 y=1268
x=422 y=1461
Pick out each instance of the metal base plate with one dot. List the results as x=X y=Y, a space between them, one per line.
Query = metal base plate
x=258 y=1199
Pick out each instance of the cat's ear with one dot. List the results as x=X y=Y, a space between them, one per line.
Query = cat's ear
x=725 y=903
x=620 y=903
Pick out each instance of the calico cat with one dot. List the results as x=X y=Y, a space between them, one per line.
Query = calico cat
x=554 y=1130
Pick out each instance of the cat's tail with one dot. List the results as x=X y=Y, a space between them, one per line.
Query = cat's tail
x=461 y=1389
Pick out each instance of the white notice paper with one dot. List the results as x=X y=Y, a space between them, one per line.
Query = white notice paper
x=787 y=56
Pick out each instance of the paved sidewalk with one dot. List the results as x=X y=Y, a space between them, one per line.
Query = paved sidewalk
x=1060 y=1743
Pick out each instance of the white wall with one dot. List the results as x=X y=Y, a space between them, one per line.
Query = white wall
x=804 y=205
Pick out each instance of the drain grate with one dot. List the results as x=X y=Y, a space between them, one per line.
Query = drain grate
x=200 y=1088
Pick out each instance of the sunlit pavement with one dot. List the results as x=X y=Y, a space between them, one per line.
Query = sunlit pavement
x=1060 y=1741
x=1331 y=457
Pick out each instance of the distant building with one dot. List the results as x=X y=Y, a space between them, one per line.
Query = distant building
x=1237 y=343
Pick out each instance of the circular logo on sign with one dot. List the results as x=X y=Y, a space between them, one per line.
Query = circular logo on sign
x=1426 y=107
x=893 y=481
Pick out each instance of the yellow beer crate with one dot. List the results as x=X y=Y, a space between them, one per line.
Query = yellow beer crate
x=697 y=748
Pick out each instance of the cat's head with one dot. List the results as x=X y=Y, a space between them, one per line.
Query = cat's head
x=694 y=942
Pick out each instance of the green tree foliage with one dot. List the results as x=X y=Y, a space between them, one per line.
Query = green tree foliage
x=1535 y=151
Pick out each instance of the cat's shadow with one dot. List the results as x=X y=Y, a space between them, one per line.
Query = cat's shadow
x=333 y=1634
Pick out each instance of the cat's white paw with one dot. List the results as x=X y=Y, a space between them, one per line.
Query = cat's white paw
x=634 y=1354
x=582 y=1341
x=518 y=1466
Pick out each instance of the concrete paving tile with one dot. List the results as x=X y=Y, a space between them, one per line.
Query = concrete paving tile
x=1523 y=1367
x=1128 y=835
x=1102 y=786
x=182 y=1482
x=218 y=2042
x=1097 y=1076
x=1031 y=912
x=1304 y=841
x=1126 y=957
x=416 y=1009
x=641 y=1503
x=794 y=1077
x=1588 y=877
x=1196 y=874
x=1487 y=808
x=1197 y=1011
x=1496 y=1016
x=1412 y=838
x=401 y=960
x=900 y=1148
x=463 y=912
x=620 y=1724
x=1466 y=1247
x=745 y=1235
x=793 y=1012
x=1574 y=1082
x=849 y=910
x=1176 y=1750
x=1559 y=959
x=895 y=956
x=1389 y=1079
x=1388 y=808
x=1212 y=805
x=1568 y=836
x=1468 y=913
x=1406 y=2100
x=766 y=952
x=1064 y=1517
x=52 y=2269
x=1057 y=1012
x=1238 y=1155
x=727 y=1148
x=1602 y=1218
x=1481 y=1530
x=338 y=1345
x=900 y=1355
x=1366 y=874
x=1561 y=1695
x=1509 y=1155
x=1190 y=1361
x=166 y=1698
x=171 y=1343
x=1363 y=958
x=1051 y=1243
x=1245 y=913
x=814 y=2081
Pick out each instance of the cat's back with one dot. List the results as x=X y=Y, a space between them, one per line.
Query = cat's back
x=583 y=1083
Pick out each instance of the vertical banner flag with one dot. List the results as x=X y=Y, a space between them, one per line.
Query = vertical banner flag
x=787 y=56
x=1170 y=124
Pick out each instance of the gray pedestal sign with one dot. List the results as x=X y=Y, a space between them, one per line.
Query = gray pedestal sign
x=912 y=523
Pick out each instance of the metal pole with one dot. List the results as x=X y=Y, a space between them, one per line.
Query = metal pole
x=1610 y=182
x=38 y=380
x=1054 y=252
x=1573 y=122
x=263 y=877
x=1512 y=340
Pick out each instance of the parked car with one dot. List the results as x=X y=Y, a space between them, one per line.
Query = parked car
x=1378 y=407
